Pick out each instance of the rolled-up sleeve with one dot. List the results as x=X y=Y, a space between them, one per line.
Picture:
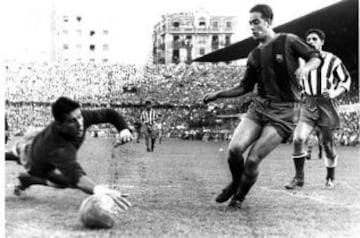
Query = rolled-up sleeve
x=111 y=116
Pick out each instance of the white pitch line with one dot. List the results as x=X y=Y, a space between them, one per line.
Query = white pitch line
x=317 y=199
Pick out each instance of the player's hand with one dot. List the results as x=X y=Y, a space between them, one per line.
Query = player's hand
x=210 y=97
x=331 y=94
x=326 y=94
x=301 y=72
x=119 y=199
x=123 y=137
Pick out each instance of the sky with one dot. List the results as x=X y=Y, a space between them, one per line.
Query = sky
x=26 y=23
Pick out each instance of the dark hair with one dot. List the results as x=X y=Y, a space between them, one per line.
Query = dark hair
x=265 y=11
x=63 y=106
x=317 y=31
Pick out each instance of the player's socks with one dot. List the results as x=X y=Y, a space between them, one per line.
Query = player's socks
x=236 y=165
x=299 y=161
x=330 y=176
x=320 y=152
x=152 y=144
x=298 y=180
x=330 y=172
x=330 y=165
x=245 y=185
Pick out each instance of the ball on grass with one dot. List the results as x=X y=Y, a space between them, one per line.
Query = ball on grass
x=96 y=211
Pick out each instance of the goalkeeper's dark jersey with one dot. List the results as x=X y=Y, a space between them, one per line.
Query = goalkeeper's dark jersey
x=272 y=67
x=52 y=150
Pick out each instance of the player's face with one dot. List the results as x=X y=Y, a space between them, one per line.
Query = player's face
x=314 y=40
x=259 y=26
x=73 y=124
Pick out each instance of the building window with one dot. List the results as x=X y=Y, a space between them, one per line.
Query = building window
x=202 y=39
x=65 y=18
x=92 y=47
x=176 y=24
x=92 y=59
x=92 y=33
x=78 y=18
x=105 y=32
x=202 y=24
x=105 y=47
x=215 y=24
x=176 y=56
x=228 y=24
x=227 y=40
x=215 y=42
x=65 y=46
x=105 y=60
x=202 y=51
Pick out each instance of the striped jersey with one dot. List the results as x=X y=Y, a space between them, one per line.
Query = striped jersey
x=149 y=117
x=330 y=75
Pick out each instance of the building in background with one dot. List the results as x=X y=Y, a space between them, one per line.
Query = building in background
x=181 y=37
x=76 y=37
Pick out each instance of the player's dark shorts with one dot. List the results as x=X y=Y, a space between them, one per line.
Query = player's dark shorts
x=320 y=111
x=283 y=116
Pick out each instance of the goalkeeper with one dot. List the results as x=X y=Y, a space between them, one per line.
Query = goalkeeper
x=49 y=155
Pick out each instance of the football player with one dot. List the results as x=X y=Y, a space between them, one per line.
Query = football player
x=50 y=155
x=273 y=65
x=321 y=87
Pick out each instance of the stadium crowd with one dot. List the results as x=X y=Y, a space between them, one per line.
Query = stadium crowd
x=176 y=91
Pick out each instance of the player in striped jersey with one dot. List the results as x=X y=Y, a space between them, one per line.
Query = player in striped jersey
x=148 y=118
x=321 y=88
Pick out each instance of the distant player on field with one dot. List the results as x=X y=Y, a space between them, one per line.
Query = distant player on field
x=50 y=155
x=148 y=119
x=273 y=65
x=321 y=87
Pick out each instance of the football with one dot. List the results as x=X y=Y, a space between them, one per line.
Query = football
x=96 y=211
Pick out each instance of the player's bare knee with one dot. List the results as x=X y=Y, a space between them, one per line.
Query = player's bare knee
x=251 y=167
x=299 y=141
x=235 y=150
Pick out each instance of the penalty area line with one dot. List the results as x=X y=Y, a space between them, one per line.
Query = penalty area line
x=313 y=198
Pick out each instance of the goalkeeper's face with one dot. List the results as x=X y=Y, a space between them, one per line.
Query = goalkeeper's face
x=73 y=125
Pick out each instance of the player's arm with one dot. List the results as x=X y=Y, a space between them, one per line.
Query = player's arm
x=311 y=56
x=109 y=116
x=227 y=93
x=246 y=85
x=304 y=70
x=64 y=159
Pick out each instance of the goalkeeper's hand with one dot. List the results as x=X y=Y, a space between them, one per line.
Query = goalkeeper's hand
x=120 y=200
x=123 y=137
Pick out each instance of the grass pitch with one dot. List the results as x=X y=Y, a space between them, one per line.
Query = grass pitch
x=173 y=188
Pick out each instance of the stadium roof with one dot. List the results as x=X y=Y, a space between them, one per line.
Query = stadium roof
x=339 y=22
